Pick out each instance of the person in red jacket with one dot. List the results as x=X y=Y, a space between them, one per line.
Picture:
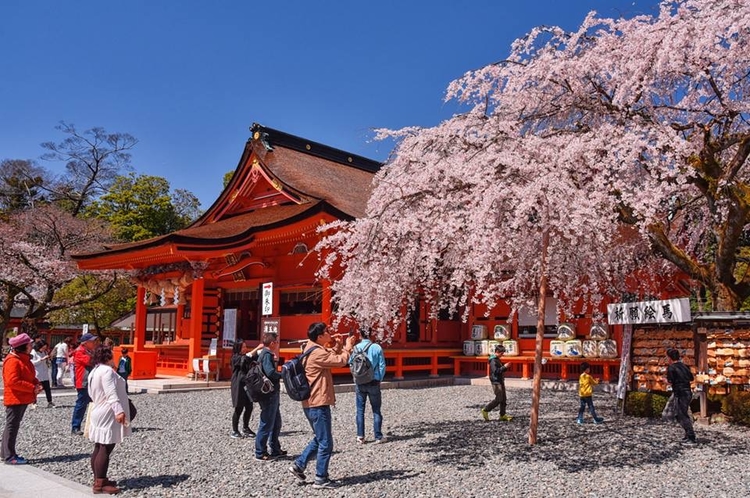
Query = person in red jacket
x=83 y=362
x=21 y=388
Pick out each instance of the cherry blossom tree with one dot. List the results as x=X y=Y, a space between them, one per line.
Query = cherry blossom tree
x=35 y=247
x=581 y=155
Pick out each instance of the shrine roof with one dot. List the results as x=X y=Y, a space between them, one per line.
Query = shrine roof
x=230 y=231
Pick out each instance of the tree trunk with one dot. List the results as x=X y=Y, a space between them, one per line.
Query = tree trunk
x=725 y=298
x=537 y=382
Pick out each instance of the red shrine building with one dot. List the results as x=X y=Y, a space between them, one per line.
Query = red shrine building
x=246 y=266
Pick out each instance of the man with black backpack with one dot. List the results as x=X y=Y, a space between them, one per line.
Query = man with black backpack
x=323 y=353
x=367 y=364
x=270 y=415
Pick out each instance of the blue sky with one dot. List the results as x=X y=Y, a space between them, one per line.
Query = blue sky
x=187 y=78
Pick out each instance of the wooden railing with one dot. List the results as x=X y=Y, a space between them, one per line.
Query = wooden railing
x=398 y=361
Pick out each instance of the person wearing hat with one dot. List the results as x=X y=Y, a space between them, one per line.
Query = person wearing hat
x=83 y=362
x=21 y=388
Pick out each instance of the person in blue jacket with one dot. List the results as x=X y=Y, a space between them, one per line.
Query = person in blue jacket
x=371 y=389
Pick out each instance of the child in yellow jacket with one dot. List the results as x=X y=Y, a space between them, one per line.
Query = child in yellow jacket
x=586 y=385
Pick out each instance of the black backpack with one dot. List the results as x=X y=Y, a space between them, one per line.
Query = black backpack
x=256 y=382
x=361 y=366
x=294 y=377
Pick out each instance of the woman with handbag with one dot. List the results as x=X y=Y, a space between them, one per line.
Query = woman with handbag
x=109 y=418
x=240 y=400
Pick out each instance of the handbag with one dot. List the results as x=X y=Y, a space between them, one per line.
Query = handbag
x=133 y=409
x=669 y=414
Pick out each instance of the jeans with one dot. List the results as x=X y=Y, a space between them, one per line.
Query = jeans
x=587 y=401
x=269 y=426
x=683 y=400
x=82 y=401
x=500 y=398
x=13 y=417
x=321 y=446
x=53 y=372
x=370 y=390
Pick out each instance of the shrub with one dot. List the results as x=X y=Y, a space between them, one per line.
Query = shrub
x=737 y=406
x=645 y=404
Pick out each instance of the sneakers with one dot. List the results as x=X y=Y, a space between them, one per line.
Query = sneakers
x=579 y=421
x=265 y=457
x=16 y=460
x=485 y=415
x=77 y=432
x=235 y=435
x=247 y=432
x=598 y=420
x=505 y=418
x=298 y=473
x=50 y=405
x=360 y=440
x=324 y=484
x=281 y=453
x=33 y=406
x=689 y=440
x=381 y=440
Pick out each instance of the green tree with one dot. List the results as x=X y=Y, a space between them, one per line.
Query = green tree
x=100 y=312
x=227 y=178
x=139 y=207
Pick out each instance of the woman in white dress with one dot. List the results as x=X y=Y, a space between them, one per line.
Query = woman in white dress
x=109 y=419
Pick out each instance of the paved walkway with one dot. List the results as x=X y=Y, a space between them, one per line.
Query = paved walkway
x=25 y=481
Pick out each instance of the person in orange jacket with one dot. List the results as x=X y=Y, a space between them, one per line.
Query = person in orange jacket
x=83 y=362
x=21 y=388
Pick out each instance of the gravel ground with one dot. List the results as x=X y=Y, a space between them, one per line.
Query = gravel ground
x=438 y=445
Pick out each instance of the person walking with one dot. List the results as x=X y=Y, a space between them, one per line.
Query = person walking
x=267 y=445
x=326 y=354
x=109 y=420
x=680 y=378
x=41 y=360
x=21 y=387
x=82 y=364
x=370 y=390
x=240 y=400
x=586 y=385
x=62 y=352
x=125 y=366
x=497 y=379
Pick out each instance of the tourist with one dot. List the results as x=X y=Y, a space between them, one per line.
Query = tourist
x=497 y=379
x=317 y=408
x=370 y=390
x=125 y=366
x=61 y=354
x=267 y=445
x=680 y=378
x=109 y=420
x=586 y=385
x=82 y=363
x=41 y=361
x=240 y=400
x=21 y=387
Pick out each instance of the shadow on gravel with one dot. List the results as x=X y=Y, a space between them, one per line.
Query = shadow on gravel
x=63 y=458
x=163 y=481
x=618 y=443
x=384 y=475
x=146 y=429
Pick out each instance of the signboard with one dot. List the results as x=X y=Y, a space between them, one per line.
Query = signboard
x=270 y=326
x=666 y=311
x=267 y=299
x=229 y=332
x=213 y=346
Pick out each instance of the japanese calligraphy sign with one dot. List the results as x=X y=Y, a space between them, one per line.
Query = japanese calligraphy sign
x=666 y=311
x=267 y=299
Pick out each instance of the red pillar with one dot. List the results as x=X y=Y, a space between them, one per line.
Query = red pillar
x=140 y=320
x=196 y=319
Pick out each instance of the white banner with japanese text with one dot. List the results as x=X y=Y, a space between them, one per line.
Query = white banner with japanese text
x=665 y=311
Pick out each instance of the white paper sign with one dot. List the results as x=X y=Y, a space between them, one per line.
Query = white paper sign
x=666 y=311
x=230 y=328
x=267 y=299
